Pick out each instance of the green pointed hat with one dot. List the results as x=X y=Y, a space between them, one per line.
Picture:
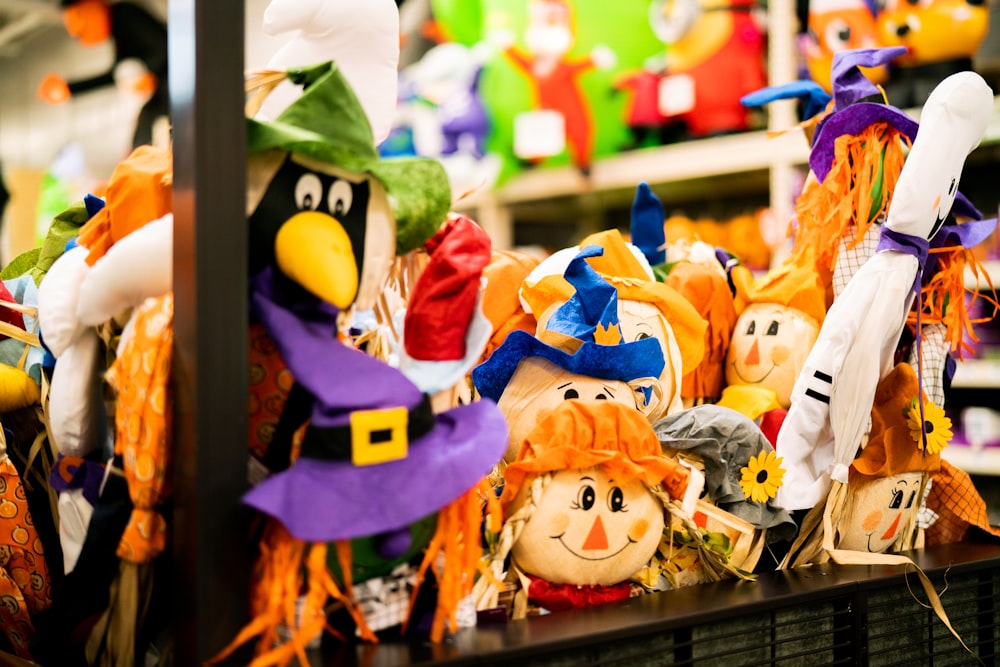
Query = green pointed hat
x=326 y=123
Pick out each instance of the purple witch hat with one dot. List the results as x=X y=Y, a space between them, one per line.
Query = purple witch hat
x=375 y=458
x=859 y=103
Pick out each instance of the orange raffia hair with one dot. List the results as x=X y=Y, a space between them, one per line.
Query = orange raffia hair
x=288 y=569
x=827 y=211
x=943 y=297
x=455 y=554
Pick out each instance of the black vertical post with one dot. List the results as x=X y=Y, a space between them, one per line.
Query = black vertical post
x=210 y=324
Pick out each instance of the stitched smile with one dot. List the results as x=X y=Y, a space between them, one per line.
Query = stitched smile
x=559 y=537
x=758 y=381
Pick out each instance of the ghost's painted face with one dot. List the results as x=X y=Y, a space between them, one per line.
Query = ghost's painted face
x=539 y=386
x=589 y=530
x=879 y=510
x=769 y=346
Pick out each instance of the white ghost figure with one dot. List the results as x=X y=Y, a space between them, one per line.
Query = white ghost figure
x=832 y=398
x=361 y=37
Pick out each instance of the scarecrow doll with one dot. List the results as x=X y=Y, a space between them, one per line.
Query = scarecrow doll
x=580 y=353
x=876 y=512
x=646 y=307
x=779 y=318
x=856 y=346
x=584 y=506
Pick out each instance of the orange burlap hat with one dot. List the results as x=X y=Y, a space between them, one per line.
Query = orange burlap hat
x=504 y=274
x=891 y=448
x=708 y=291
x=792 y=285
x=139 y=192
x=582 y=434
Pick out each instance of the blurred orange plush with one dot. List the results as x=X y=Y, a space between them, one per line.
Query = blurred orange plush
x=839 y=25
x=739 y=235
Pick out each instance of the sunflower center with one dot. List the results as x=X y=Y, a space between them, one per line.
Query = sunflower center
x=928 y=427
x=761 y=476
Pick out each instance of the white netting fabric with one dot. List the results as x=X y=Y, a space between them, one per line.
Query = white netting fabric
x=849 y=260
x=934 y=350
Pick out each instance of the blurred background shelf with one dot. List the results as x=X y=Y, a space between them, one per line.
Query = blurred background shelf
x=974 y=460
x=977 y=373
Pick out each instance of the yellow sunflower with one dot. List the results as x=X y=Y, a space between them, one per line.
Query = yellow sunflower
x=762 y=476
x=937 y=425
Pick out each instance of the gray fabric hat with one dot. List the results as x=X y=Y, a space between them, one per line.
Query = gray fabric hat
x=726 y=440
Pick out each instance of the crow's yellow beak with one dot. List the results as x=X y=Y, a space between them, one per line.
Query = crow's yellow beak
x=313 y=249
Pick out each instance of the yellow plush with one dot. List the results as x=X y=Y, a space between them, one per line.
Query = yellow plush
x=17 y=389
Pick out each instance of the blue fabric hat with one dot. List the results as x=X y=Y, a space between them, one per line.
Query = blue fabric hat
x=625 y=362
x=594 y=303
x=813 y=97
x=647 y=225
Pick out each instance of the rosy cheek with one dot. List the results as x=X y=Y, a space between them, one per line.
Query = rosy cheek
x=780 y=354
x=638 y=529
x=559 y=523
x=871 y=521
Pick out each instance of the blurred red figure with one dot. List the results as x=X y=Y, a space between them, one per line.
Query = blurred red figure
x=715 y=57
x=549 y=38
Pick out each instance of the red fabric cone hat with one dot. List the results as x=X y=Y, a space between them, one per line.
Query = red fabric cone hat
x=443 y=301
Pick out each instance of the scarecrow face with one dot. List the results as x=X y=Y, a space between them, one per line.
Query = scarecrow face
x=639 y=320
x=588 y=530
x=880 y=508
x=644 y=320
x=769 y=346
x=326 y=228
x=539 y=386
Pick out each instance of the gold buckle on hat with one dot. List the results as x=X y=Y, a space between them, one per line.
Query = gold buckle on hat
x=378 y=436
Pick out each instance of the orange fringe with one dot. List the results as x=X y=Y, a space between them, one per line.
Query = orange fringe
x=455 y=554
x=843 y=202
x=943 y=298
x=279 y=584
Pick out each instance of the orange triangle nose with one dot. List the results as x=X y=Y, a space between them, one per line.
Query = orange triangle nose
x=597 y=539
x=891 y=532
x=753 y=356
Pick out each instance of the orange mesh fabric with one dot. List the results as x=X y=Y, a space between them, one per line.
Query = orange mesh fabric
x=958 y=505
x=141 y=375
x=24 y=576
